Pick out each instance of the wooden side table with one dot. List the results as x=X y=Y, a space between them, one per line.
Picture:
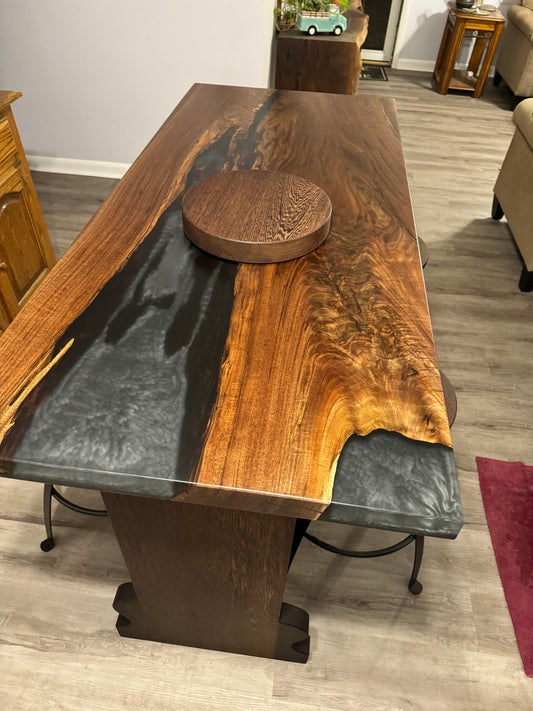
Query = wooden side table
x=486 y=28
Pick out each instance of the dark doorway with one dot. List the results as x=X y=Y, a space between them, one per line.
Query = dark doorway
x=382 y=26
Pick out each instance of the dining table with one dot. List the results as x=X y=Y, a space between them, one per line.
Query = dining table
x=216 y=403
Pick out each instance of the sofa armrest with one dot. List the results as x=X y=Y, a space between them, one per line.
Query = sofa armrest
x=522 y=18
x=523 y=118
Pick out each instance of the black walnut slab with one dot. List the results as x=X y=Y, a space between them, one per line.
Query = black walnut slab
x=256 y=216
x=291 y=359
x=150 y=370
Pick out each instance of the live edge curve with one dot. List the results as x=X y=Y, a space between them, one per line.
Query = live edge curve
x=182 y=376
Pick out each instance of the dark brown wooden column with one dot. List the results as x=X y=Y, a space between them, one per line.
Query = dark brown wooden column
x=206 y=577
x=324 y=62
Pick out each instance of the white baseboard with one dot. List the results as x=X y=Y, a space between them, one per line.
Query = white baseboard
x=414 y=65
x=424 y=65
x=73 y=166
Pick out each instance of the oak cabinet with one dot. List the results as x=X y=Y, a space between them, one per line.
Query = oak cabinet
x=26 y=254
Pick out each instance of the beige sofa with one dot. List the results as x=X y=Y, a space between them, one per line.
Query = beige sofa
x=515 y=56
x=513 y=192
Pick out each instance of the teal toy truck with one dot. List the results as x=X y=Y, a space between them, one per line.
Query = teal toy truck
x=313 y=22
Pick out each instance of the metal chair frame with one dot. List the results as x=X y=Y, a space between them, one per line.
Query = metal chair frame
x=51 y=492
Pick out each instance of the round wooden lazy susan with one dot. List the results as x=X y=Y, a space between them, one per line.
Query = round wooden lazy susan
x=256 y=216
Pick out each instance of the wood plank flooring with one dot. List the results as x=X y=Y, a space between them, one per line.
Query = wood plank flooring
x=375 y=647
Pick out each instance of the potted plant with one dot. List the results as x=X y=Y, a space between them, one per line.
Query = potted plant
x=285 y=14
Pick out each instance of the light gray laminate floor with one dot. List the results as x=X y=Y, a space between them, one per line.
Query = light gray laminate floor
x=375 y=647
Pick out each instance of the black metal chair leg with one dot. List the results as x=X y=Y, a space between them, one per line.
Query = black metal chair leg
x=51 y=492
x=76 y=507
x=48 y=543
x=415 y=586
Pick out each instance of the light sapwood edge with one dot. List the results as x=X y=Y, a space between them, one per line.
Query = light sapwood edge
x=8 y=414
x=71 y=286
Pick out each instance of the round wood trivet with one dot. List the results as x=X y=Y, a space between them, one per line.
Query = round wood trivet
x=256 y=216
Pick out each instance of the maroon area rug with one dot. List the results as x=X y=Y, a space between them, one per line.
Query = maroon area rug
x=507 y=491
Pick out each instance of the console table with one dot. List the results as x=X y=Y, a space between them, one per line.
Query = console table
x=215 y=403
x=462 y=24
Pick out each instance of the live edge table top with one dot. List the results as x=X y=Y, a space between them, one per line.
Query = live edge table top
x=308 y=388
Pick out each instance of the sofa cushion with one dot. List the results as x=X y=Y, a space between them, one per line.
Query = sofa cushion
x=523 y=118
x=522 y=18
x=528 y=4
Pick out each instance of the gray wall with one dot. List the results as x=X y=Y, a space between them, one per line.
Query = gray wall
x=100 y=76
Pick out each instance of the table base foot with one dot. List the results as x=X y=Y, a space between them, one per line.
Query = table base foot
x=526 y=280
x=293 y=634
x=292 y=643
x=131 y=622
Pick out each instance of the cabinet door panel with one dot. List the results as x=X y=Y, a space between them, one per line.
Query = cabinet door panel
x=19 y=246
x=26 y=254
x=5 y=315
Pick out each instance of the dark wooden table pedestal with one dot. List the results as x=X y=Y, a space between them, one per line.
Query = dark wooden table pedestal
x=207 y=577
x=252 y=394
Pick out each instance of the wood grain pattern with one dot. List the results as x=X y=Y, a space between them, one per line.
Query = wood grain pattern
x=375 y=645
x=26 y=255
x=335 y=343
x=8 y=97
x=107 y=242
x=256 y=216
x=373 y=347
x=323 y=63
x=8 y=148
x=202 y=576
x=457 y=24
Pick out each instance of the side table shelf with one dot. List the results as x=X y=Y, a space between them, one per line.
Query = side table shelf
x=460 y=25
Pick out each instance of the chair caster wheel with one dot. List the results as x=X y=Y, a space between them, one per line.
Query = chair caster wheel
x=47 y=545
x=416 y=587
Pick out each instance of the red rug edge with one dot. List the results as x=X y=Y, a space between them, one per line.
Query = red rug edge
x=518 y=596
